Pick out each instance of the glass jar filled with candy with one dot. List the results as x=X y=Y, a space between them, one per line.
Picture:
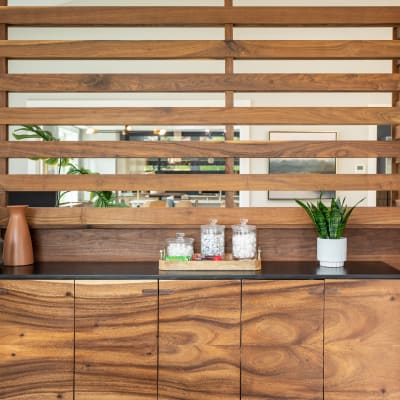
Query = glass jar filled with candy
x=212 y=240
x=244 y=241
x=180 y=247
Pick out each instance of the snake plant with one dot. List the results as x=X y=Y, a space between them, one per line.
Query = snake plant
x=329 y=222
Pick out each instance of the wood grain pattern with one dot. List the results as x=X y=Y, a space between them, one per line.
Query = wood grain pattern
x=3 y=103
x=144 y=244
x=270 y=217
x=282 y=339
x=116 y=340
x=203 y=116
x=199 y=343
x=203 y=16
x=37 y=340
x=214 y=182
x=200 y=82
x=362 y=342
x=250 y=149
x=199 y=49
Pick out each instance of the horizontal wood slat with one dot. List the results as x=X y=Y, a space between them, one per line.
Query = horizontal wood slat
x=203 y=116
x=201 y=182
x=199 y=49
x=200 y=82
x=193 y=217
x=251 y=149
x=201 y=16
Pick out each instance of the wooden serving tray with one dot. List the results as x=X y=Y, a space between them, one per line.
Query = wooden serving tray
x=228 y=264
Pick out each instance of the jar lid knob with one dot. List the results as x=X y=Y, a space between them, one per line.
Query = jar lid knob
x=180 y=236
x=243 y=221
x=213 y=221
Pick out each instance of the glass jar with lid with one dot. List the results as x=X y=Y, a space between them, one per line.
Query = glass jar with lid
x=244 y=241
x=212 y=240
x=180 y=246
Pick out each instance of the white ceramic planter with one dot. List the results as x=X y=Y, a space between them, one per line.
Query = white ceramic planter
x=331 y=252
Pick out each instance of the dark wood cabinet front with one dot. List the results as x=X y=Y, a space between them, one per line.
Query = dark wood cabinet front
x=362 y=340
x=200 y=340
x=199 y=343
x=36 y=340
x=282 y=340
x=116 y=340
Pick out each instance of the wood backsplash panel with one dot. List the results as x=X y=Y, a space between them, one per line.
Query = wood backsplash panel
x=145 y=244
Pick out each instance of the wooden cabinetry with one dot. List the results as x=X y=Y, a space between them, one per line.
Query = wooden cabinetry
x=36 y=340
x=362 y=340
x=199 y=344
x=116 y=340
x=200 y=339
x=282 y=339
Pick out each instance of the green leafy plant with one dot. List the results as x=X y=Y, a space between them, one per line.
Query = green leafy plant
x=36 y=132
x=329 y=222
x=98 y=198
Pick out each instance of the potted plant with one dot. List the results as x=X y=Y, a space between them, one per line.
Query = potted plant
x=329 y=223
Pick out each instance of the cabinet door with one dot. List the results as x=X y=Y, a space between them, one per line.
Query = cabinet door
x=116 y=340
x=199 y=343
x=362 y=340
x=36 y=340
x=282 y=340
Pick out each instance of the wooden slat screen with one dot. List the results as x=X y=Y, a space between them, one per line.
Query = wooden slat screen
x=228 y=83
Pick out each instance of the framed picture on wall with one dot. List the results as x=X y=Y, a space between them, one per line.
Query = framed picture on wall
x=301 y=165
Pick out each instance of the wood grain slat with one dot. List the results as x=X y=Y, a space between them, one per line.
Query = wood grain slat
x=116 y=340
x=202 y=16
x=47 y=83
x=282 y=339
x=270 y=217
x=362 y=344
x=250 y=149
x=199 y=340
x=197 y=182
x=202 y=116
x=37 y=340
x=199 y=49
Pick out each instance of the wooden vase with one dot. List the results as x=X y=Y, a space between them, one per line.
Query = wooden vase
x=17 y=248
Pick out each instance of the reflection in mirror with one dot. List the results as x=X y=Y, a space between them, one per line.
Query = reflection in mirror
x=183 y=165
x=383 y=165
x=176 y=165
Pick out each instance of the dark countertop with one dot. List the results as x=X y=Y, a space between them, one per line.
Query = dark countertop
x=149 y=270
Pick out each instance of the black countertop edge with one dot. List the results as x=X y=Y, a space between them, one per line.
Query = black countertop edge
x=282 y=270
x=198 y=276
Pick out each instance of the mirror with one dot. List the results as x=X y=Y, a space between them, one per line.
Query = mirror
x=180 y=165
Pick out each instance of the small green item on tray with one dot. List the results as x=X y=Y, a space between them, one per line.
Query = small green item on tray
x=178 y=258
